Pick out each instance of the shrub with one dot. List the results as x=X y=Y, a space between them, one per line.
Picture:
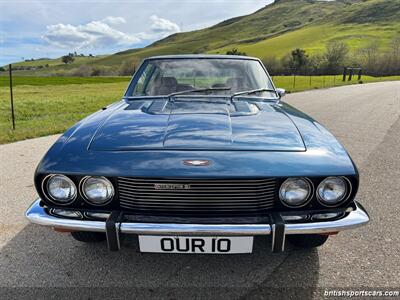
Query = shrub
x=235 y=51
x=81 y=71
x=127 y=68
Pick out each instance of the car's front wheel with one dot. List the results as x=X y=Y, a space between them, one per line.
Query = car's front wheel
x=88 y=237
x=307 y=240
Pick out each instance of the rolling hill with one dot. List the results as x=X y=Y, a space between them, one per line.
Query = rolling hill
x=275 y=30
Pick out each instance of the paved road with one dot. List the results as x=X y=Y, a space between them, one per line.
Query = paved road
x=366 y=120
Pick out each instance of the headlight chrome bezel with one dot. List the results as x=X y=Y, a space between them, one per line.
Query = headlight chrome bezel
x=344 y=198
x=307 y=198
x=51 y=198
x=87 y=199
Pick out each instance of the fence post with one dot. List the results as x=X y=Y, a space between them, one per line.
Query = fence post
x=310 y=79
x=334 y=80
x=11 y=97
x=351 y=74
x=294 y=80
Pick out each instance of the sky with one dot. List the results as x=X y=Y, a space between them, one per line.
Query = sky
x=39 y=28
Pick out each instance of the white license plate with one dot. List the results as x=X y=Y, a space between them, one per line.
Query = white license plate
x=196 y=244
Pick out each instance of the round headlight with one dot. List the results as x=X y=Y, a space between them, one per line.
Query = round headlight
x=331 y=191
x=61 y=189
x=97 y=190
x=295 y=192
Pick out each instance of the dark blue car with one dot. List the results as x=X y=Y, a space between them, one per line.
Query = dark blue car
x=199 y=156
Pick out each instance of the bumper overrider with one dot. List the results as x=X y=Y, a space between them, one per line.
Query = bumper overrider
x=113 y=226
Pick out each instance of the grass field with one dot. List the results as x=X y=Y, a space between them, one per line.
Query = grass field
x=40 y=81
x=50 y=105
x=302 y=83
x=48 y=109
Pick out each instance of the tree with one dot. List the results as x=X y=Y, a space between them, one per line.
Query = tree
x=395 y=46
x=66 y=59
x=235 y=51
x=297 y=61
x=394 y=57
x=315 y=64
x=335 y=56
x=369 y=57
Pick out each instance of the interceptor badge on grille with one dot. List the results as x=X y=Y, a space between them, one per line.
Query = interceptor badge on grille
x=197 y=162
x=167 y=186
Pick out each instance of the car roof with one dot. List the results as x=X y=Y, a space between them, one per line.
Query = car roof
x=201 y=56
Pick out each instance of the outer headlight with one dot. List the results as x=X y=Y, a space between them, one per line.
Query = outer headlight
x=60 y=189
x=295 y=192
x=97 y=190
x=331 y=191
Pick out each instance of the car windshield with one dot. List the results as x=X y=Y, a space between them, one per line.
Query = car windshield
x=200 y=76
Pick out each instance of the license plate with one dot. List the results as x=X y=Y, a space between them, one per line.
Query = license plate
x=196 y=244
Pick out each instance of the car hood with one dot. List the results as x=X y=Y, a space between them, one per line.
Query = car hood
x=192 y=124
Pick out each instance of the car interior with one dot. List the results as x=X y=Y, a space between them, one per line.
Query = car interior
x=168 y=85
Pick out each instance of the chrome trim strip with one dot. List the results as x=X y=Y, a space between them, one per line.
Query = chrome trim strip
x=39 y=215
x=273 y=235
x=196 y=229
x=356 y=218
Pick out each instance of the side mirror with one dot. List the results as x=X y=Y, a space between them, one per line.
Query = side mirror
x=281 y=92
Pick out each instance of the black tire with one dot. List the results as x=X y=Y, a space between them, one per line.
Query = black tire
x=307 y=240
x=88 y=237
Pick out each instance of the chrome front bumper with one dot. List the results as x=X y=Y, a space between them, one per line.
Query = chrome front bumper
x=355 y=218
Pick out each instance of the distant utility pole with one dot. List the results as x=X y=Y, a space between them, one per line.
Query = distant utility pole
x=11 y=97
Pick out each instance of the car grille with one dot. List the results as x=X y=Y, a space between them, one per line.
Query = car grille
x=197 y=197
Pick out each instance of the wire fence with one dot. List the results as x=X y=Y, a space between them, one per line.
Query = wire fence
x=301 y=82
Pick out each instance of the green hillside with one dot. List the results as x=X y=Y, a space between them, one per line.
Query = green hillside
x=276 y=29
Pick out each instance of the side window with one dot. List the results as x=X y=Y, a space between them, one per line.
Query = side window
x=142 y=83
x=152 y=83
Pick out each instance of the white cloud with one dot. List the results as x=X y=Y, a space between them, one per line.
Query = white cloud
x=114 y=20
x=102 y=34
x=95 y=34
x=164 y=26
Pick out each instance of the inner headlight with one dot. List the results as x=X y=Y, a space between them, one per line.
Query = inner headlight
x=331 y=191
x=295 y=192
x=61 y=189
x=97 y=190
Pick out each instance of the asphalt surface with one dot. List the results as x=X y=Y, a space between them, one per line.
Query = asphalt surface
x=36 y=262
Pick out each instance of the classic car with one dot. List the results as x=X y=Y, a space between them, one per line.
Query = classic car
x=199 y=156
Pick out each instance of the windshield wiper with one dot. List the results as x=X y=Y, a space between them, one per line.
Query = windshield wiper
x=227 y=88
x=249 y=92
